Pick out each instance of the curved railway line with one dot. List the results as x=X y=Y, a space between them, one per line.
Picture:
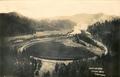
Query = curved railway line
x=22 y=48
x=29 y=43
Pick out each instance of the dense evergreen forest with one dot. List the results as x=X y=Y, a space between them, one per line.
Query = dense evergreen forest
x=13 y=24
x=108 y=33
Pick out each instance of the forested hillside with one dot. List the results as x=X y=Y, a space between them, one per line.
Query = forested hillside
x=12 y=24
x=108 y=33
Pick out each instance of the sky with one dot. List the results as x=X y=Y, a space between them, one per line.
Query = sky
x=51 y=8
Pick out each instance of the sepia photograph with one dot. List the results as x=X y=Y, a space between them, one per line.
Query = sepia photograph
x=59 y=38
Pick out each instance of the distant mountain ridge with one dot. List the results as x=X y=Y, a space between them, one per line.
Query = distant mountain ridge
x=84 y=20
x=13 y=23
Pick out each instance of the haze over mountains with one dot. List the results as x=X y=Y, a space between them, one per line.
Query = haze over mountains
x=84 y=20
x=14 y=23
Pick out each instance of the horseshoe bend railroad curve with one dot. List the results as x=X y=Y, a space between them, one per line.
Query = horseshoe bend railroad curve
x=22 y=48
